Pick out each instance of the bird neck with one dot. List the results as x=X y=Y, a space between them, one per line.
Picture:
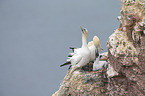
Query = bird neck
x=84 y=41
x=96 y=43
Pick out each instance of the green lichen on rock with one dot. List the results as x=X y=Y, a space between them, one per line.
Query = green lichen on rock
x=124 y=40
x=132 y=12
x=126 y=50
x=132 y=2
x=119 y=45
x=83 y=84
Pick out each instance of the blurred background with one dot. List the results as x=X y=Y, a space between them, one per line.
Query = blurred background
x=35 y=36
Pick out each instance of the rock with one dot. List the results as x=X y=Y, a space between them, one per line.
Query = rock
x=111 y=72
x=125 y=75
x=83 y=83
x=126 y=51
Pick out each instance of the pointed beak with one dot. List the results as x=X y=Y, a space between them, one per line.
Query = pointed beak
x=82 y=29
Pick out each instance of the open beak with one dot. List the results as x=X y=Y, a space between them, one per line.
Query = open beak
x=82 y=29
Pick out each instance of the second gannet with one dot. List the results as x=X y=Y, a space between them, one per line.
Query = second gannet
x=94 y=46
x=99 y=64
x=82 y=56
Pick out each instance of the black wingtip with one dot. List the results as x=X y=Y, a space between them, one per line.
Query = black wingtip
x=69 y=55
x=72 y=48
x=67 y=63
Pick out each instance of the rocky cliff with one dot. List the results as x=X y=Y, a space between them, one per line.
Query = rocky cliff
x=126 y=51
x=125 y=75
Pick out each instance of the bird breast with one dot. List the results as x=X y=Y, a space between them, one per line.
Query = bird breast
x=85 y=52
x=92 y=50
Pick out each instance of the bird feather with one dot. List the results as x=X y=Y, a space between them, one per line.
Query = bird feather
x=67 y=63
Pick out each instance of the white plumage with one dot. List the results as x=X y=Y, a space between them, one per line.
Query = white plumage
x=94 y=47
x=82 y=56
x=85 y=54
x=99 y=64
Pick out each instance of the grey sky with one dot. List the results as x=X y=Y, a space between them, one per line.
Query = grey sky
x=35 y=36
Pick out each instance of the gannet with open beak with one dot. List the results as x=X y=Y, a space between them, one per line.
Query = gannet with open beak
x=94 y=46
x=75 y=50
x=82 y=56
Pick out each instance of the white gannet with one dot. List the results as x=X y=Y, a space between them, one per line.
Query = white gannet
x=82 y=56
x=75 y=50
x=93 y=47
x=103 y=56
x=99 y=64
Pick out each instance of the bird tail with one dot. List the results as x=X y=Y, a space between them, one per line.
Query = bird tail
x=69 y=67
x=69 y=56
x=67 y=63
x=73 y=68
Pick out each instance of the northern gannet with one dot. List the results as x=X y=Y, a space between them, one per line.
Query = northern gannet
x=82 y=56
x=99 y=64
x=75 y=50
x=94 y=46
x=104 y=56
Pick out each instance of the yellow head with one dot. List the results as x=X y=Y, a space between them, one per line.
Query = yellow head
x=90 y=43
x=85 y=31
x=96 y=41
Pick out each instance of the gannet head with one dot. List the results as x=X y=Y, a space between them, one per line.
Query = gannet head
x=96 y=41
x=84 y=31
x=90 y=43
